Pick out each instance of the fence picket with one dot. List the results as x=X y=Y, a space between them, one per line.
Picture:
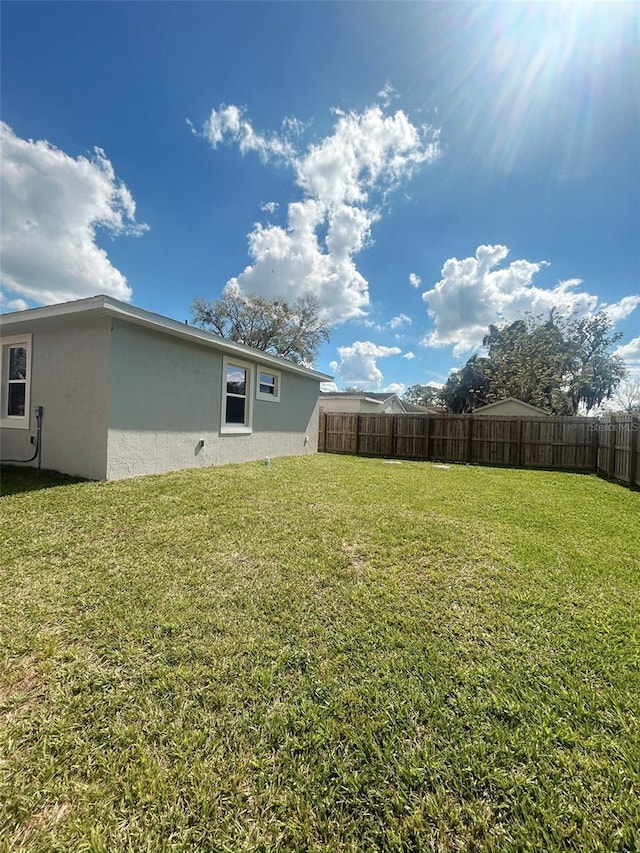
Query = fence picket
x=563 y=444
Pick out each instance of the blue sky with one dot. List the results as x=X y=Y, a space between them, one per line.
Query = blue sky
x=423 y=169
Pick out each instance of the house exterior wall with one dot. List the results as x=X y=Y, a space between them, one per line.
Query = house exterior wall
x=348 y=404
x=352 y=405
x=68 y=374
x=509 y=408
x=395 y=407
x=360 y=405
x=166 y=398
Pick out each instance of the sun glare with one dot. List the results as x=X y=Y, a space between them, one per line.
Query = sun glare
x=532 y=74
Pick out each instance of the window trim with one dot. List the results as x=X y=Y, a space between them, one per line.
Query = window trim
x=15 y=421
x=277 y=377
x=245 y=428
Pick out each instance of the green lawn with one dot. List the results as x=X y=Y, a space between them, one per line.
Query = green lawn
x=323 y=654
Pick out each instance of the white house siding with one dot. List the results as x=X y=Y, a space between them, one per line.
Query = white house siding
x=69 y=368
x=165 y=399
x=360 y=405
x=352 y=405
x=347 y=404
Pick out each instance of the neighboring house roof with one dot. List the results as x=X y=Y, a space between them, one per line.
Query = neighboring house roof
x=370 y=396
x=380 y=398
x=107 y=305
x=511 y=403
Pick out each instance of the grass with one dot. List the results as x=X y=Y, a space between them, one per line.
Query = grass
x=17 y=478
x=323 y=654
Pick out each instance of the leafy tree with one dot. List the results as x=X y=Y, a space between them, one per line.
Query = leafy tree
x=557 y=364
x=466 y=389
x=595 y=373
x=292 y=330
x=422 y=395
x=528 y=360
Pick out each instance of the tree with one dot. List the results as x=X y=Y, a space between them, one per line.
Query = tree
x=527 y=360
x=556 y=364
x=627 y=397
x=294 y=330
x=422 y=395
x=595 y=373
x=466 y=389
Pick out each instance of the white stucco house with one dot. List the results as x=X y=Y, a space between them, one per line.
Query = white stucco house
x=100 y=389
x=510 y=407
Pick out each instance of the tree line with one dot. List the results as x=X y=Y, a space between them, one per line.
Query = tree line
x=562 y=365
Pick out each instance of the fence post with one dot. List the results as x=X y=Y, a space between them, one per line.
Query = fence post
x=613 y=440
x=469 y=449
x=427 y=436
x=391 y=431
x=595 y=446
x=322 y=432
x=519 y=428
x=357 y=441
x=634 y=426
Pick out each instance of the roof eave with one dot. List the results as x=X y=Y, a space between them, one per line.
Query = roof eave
x=115 y=308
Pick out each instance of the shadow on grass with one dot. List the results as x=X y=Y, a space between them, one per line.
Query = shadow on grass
x=17 y=478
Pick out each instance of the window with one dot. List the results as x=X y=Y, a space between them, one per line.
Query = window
x=236 y=397
x=16 y=381
x=268 y=386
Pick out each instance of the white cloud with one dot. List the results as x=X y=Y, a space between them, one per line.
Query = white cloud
x=358 y=365
x=472 y=293
x=229 y=122
x=409 y=356
x=345 y=179
x=393 y=323
x=631 y=354
x=52 y=207
x=414 y=280
x=619 y=310
x=269 y=207
x=396 y=388
x=12 y=304
x=367 y=151
x=386 y=94
x=398 y=321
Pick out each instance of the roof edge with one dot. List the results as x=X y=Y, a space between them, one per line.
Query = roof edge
x=116 y=308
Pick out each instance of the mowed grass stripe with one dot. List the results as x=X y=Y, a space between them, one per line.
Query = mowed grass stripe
x=322 y=654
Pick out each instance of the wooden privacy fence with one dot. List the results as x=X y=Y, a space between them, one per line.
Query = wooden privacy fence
x=606 y=446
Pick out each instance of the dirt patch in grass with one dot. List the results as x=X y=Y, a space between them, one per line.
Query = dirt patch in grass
x=43 y=822
x=22 y=687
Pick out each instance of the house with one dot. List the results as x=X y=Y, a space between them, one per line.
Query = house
x=510 y=407
x=104 y=390
x=368 y=402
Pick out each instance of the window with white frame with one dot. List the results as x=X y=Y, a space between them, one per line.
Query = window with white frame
x=268 y=385
x=16 y=381
x=236 y=396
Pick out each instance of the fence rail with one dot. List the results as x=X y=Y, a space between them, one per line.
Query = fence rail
x=608 y=446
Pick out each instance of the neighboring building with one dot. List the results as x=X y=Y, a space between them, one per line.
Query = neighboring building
x=368 y=402
x=124 y=392
x=510 y=407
